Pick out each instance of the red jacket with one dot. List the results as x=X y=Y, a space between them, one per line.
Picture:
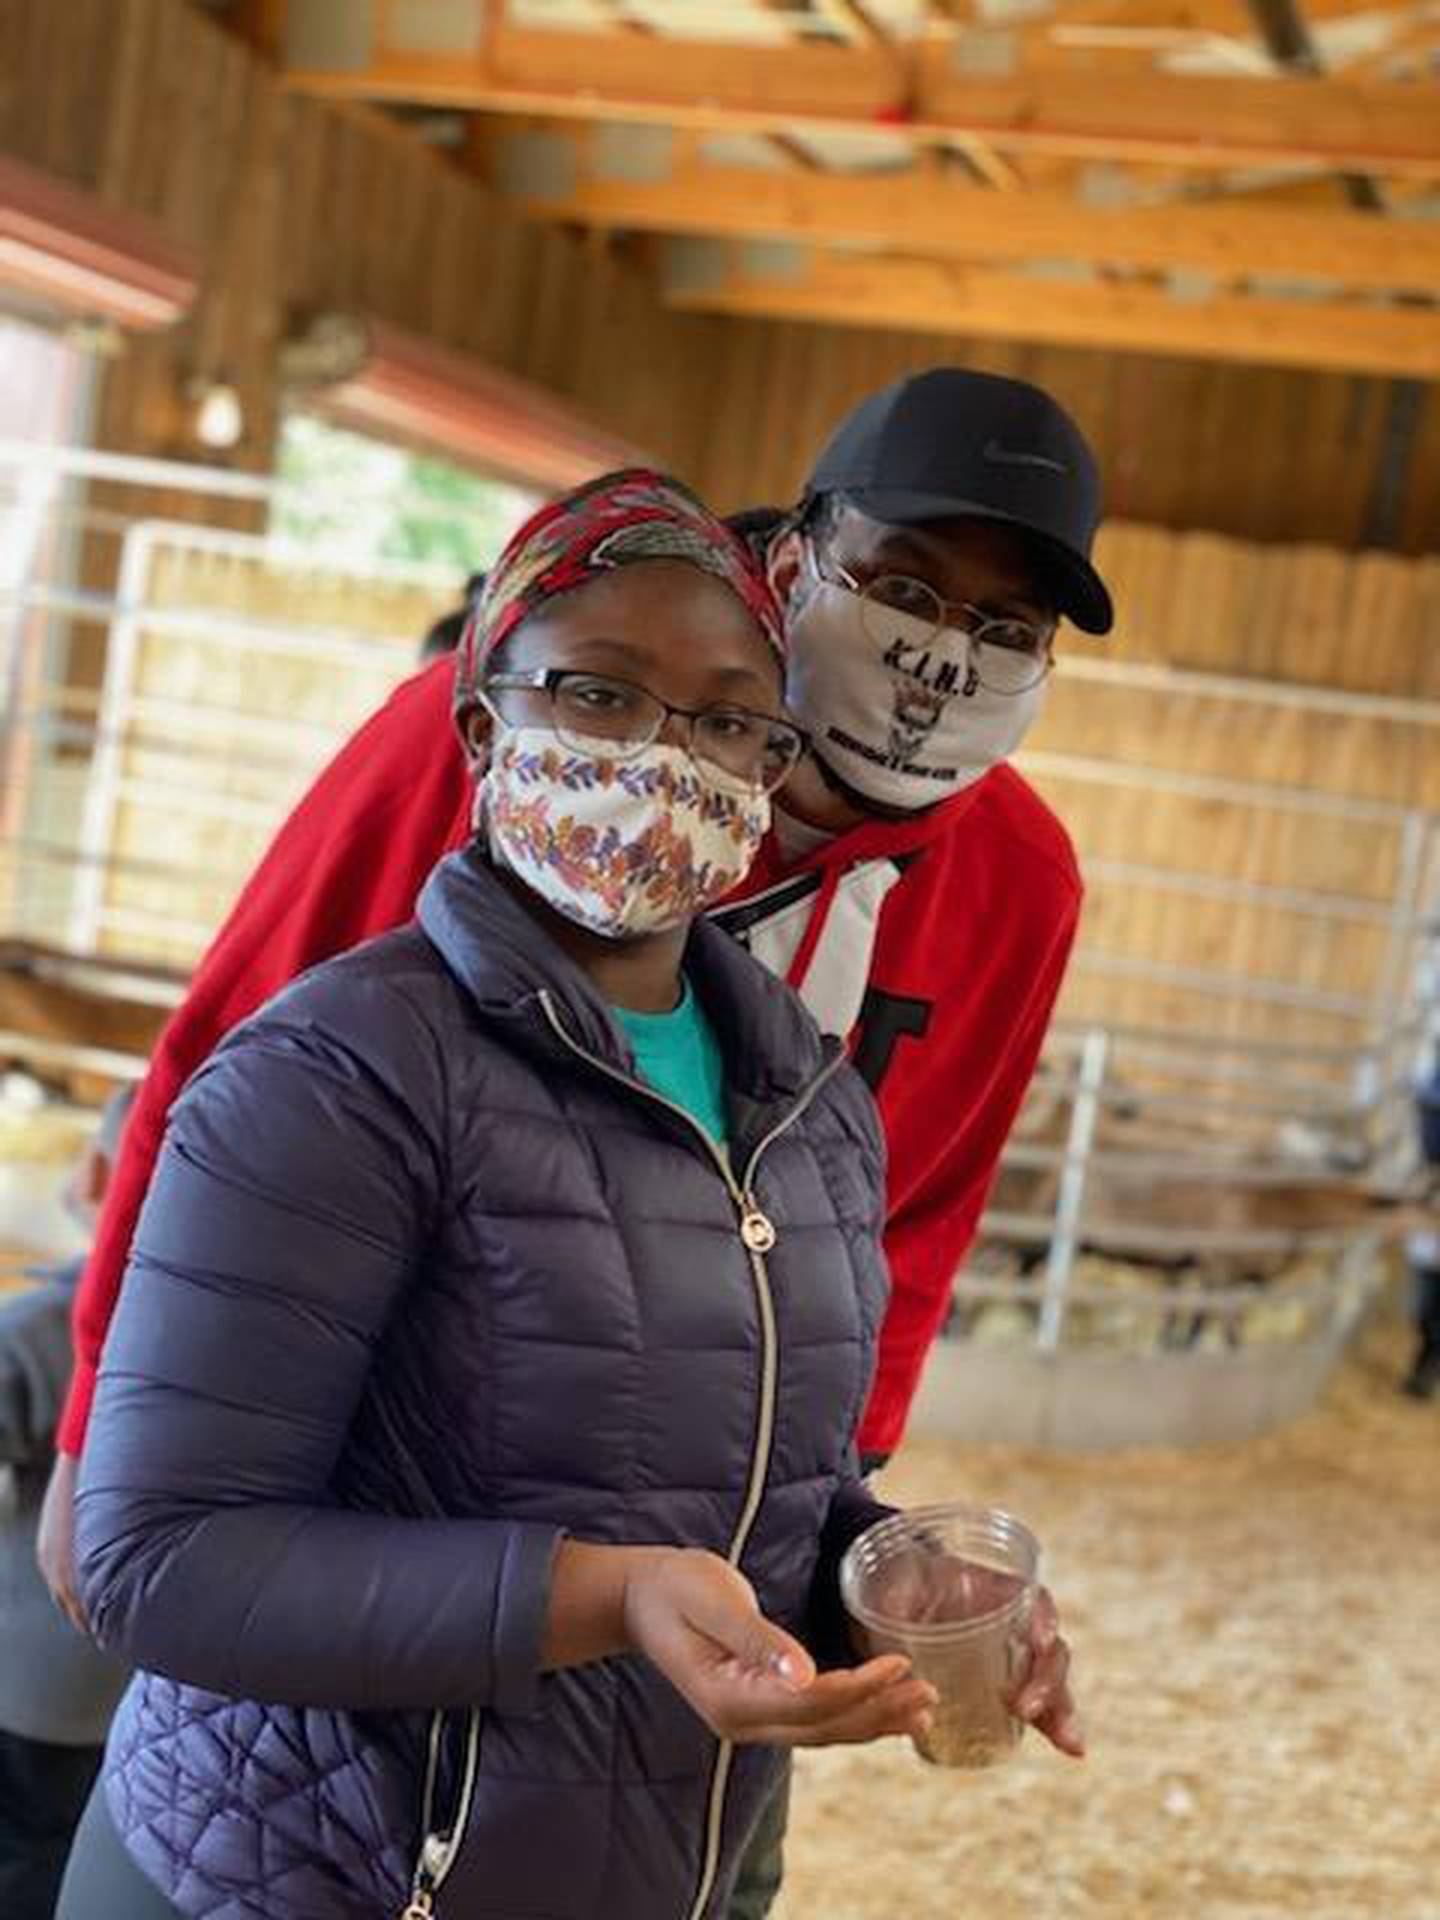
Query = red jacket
x=948 y=933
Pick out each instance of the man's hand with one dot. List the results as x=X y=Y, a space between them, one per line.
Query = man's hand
x=55 y=1543
x=697 y=1620
x=1044 y=1700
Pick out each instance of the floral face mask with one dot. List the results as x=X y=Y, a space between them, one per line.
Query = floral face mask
x=624 y=847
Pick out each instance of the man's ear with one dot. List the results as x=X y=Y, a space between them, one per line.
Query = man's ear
x=782 y=564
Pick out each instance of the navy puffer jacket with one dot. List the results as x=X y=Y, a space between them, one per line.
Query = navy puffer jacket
x=427 y=1278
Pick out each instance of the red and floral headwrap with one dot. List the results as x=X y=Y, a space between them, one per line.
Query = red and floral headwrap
x=615 y=521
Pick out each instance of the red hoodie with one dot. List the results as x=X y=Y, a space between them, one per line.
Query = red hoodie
x=939 y=943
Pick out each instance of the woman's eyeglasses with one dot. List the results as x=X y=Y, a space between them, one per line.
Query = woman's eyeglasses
x=1003 y=656
x=732 y=746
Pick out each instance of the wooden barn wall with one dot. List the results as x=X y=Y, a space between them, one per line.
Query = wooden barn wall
x=1308 y=614
x=1261 y=453
x=293 y=204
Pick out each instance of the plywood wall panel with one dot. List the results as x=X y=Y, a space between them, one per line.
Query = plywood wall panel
x=1419 y=530
x=1258 y=453
x=1203 y=835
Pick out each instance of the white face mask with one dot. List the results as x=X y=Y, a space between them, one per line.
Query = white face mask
x=623 y=847
x=889 y=713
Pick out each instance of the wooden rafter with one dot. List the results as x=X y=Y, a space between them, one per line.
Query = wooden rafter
x=1225 y=17
x=1286 y=33
x=855 y=21
x=941 y=298
x=793 y=152
x=1417 y=43
x=920 y=214
x=622 y=21
x=992 y=167
x=1374 y=125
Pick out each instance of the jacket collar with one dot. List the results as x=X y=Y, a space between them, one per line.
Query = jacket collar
x=505 y=960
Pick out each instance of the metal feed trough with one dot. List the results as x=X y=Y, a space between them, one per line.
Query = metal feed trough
x=1083 y=1350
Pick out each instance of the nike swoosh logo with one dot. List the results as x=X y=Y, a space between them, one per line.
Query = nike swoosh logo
x=1009 y=457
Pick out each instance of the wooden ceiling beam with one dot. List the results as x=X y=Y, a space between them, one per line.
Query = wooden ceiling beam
x=921 y=214
x=936 y=297
x=855 y=21
x=1188 y=121
x=1380 y=126
x=1228 y=18
x=619 y=76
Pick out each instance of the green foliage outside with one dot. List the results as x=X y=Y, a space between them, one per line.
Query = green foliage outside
x=362 y=500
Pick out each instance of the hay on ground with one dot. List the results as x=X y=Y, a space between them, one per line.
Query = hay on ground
x=1257 y=1636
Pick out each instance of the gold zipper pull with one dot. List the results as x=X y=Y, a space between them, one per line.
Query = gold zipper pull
x=421 y=1907
x=757 y=1229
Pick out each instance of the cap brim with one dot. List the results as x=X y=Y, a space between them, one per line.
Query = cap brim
x=1080 y=594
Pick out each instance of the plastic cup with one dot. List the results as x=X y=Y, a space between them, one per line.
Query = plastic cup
x=953 y=1587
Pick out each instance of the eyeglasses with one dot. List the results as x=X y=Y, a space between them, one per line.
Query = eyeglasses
x=1003 y=656
x=733 y=747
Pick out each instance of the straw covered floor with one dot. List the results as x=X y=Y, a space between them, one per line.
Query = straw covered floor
x=1257 y=1636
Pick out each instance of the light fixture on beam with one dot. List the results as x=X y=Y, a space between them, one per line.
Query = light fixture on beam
x=217 y=415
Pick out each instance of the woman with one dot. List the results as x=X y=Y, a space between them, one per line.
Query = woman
x=481 y=1396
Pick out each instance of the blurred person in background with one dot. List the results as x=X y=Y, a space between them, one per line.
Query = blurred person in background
x=1423 y=1252
x=57 y=1690
x=443 y=637
x=1423 y=1380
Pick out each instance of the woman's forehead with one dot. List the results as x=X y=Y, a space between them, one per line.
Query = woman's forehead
x=658 y=613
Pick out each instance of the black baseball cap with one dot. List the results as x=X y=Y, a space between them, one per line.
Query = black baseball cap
x=954 y=442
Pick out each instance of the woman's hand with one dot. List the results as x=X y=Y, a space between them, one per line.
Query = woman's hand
x=698 y=1621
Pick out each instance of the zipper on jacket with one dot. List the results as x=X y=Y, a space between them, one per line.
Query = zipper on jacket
x=757 y=1231
x=440 y=1847
x=758 y=1235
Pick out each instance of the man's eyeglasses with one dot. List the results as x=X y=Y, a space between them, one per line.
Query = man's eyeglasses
x=1003 y=655
x=733 y=747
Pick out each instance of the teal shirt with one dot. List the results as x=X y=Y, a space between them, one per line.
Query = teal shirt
x=679 y=1055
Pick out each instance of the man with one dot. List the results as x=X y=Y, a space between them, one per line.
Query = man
x=917 y=892
x=57 y=1692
